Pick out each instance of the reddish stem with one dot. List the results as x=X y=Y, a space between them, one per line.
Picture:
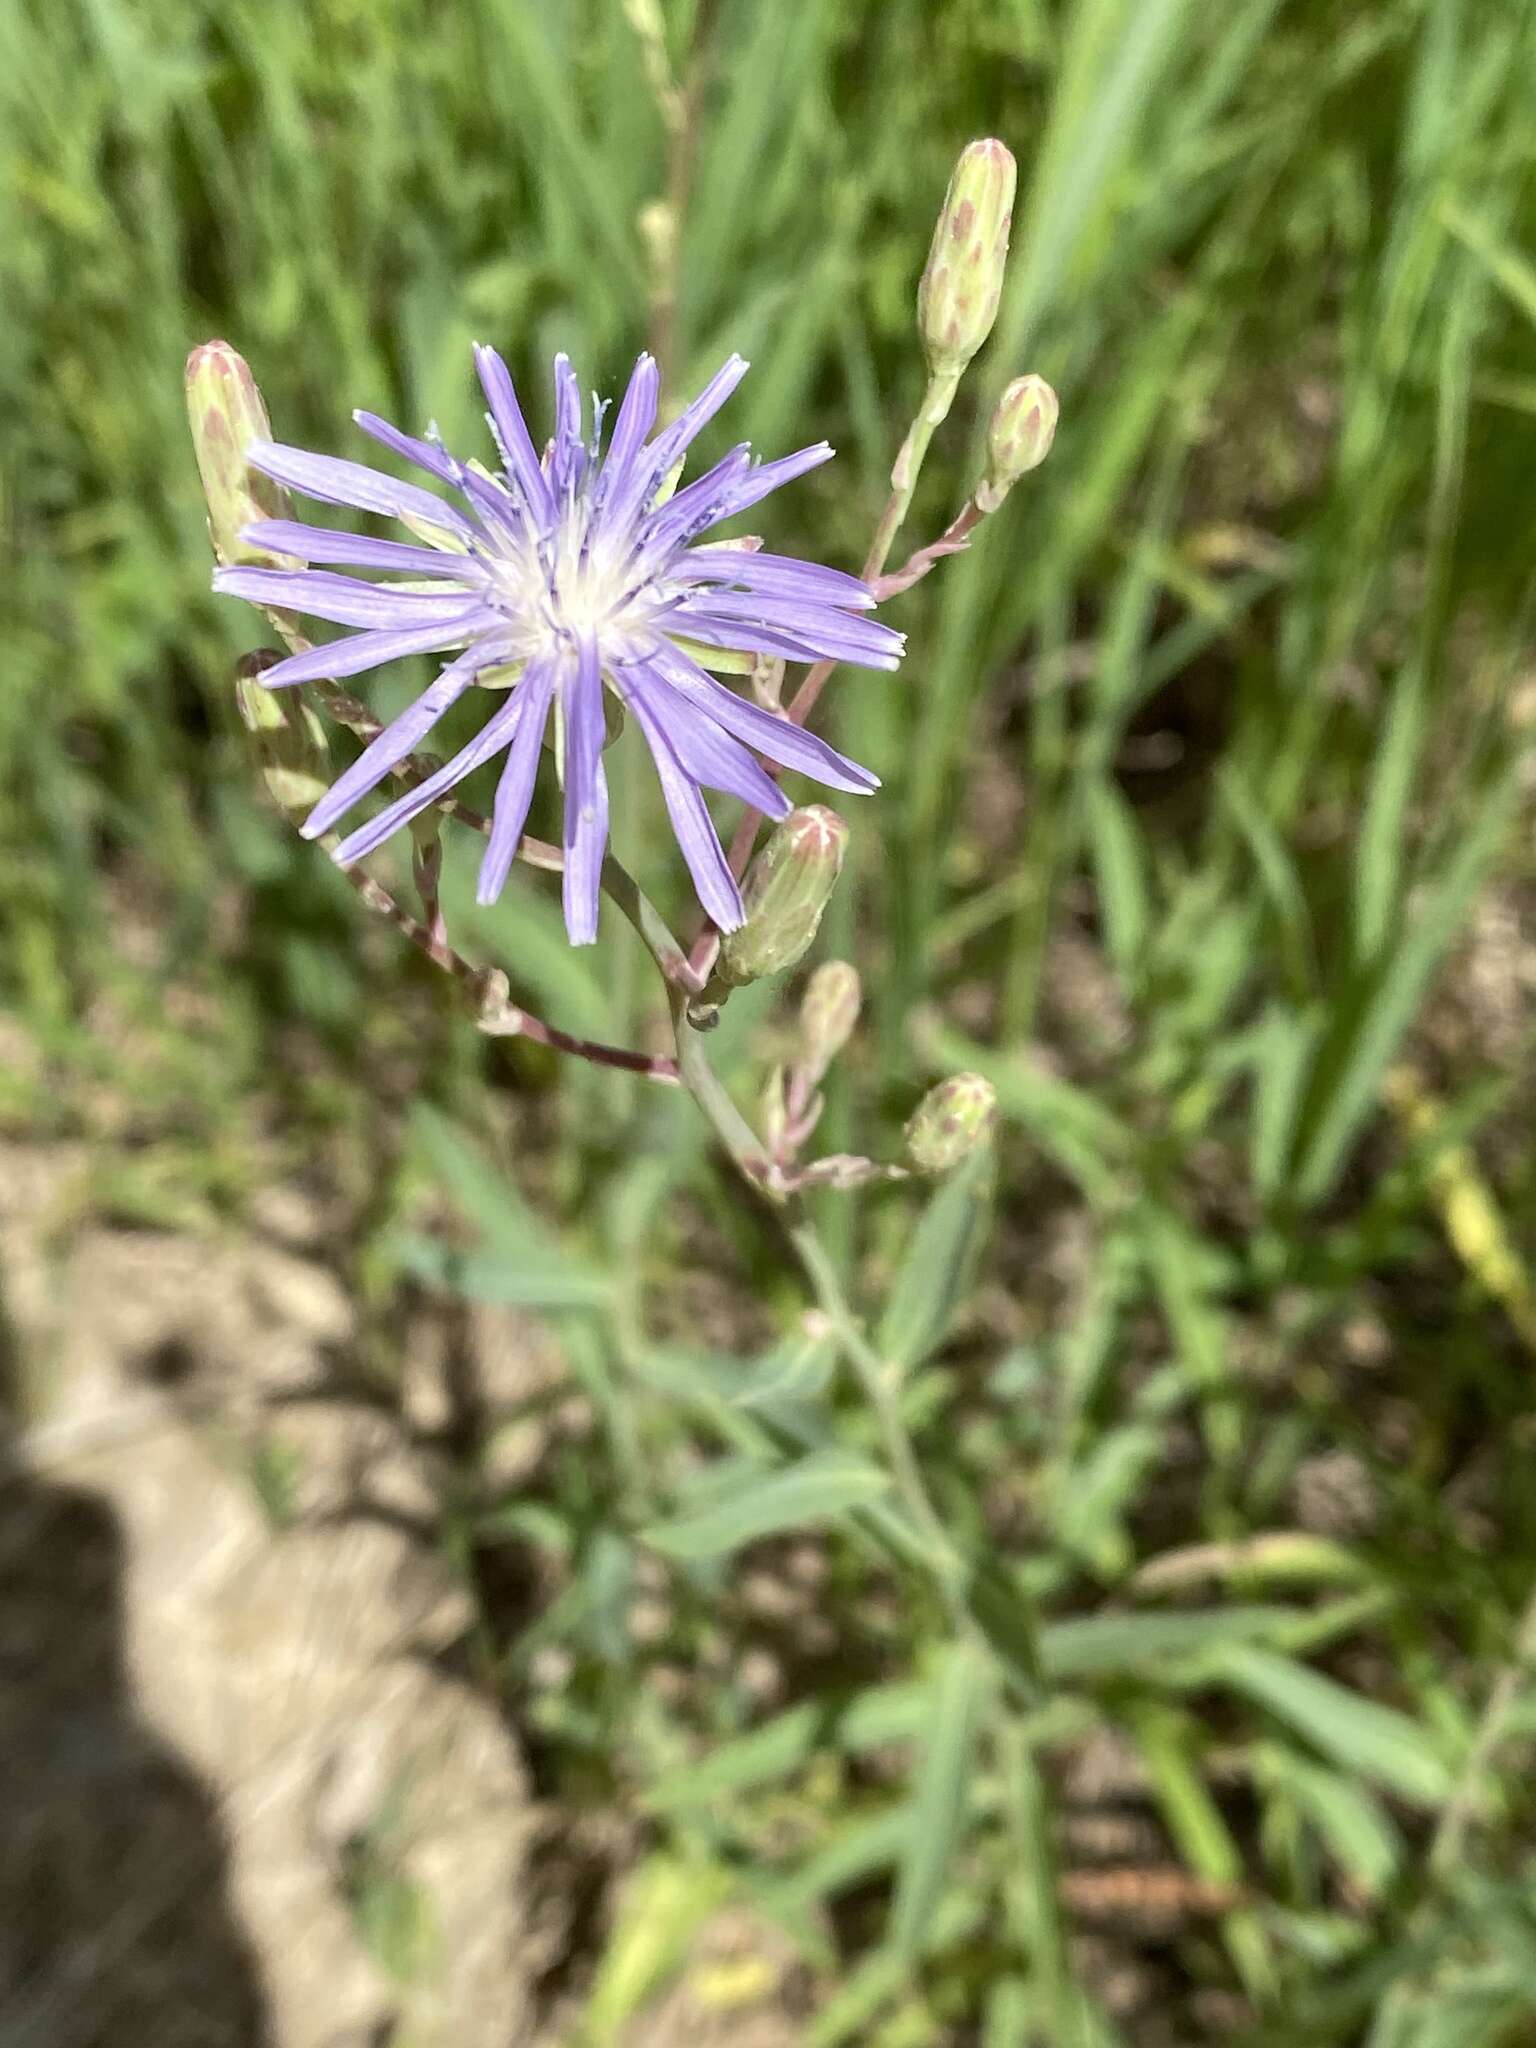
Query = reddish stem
x=954 y=538
x=495 y=1012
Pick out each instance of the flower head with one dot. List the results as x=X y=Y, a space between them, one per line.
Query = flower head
x=557 y=577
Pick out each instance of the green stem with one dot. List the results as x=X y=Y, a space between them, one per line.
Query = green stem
x=879 y=1384
x=932 y=413
x=937 y=400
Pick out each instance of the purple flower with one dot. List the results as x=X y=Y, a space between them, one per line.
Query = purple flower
x=556 y=578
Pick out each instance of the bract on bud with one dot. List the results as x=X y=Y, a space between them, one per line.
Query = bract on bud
x=1019 y=437
x=950 y=1122
x=288 y=739
x=786 y=891
x=227 y=414
x=963 y=280
x=829 y=1010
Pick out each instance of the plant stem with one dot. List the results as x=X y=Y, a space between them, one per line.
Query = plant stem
x=878 y=1381
x=495 y=1012
x=937 y=400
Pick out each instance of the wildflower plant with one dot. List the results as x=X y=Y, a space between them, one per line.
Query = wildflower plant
x=577 y=583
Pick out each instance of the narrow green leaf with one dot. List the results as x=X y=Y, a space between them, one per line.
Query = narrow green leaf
x=761 y=1757
x=1375 y=1741
x=1119 y=863
x=1371 y=1027
x=1381 y=861
x=1097 y=1645
x=1010 y=2015
x=813 y=1489
x=487 y=1197
x=855 y=1853
x=1355 y=1828
x=849 y=2012
x=1201 y=1835
x=939 y=1806
x=936 y=1271
x=1283 y=1048
x=526 y=1278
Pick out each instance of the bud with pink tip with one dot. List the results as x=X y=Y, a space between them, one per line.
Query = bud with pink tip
x=227 y=414
x=950 y=1122
x=1019 y=437
x=785 y=893
x=829 y=1010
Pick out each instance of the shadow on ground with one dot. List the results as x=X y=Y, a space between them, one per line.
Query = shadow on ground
x=115 y=1925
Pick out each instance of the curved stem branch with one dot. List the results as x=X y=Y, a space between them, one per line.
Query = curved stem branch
x=488 y=991
x=908 y=466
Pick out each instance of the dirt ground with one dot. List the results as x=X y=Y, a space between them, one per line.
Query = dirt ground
x=242 y=1806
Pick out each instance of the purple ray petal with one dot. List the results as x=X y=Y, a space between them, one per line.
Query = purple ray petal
x=674 y=440
x=337 y=482
x=516 y=443
x=586 y=795
x=324 y=544
x=397 y=740
x=342 y=599
x=514 y=793
x=704 y=749
x=371 y=650
x=497 y=508
x=696 y=507
x=804 y=632
x=737 y=636
x=791 y=746
x=776 y=576
x=637 y=415
x=492 y=736
x=567 y=455
x=630 y=495
x=768 y=477
x=691 y=822
x=426 y=455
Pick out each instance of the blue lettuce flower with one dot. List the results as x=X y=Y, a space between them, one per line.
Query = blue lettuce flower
x=557 y=578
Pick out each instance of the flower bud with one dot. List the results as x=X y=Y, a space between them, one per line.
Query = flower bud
x=829 y=1010
x=1019 y=437
x=227 y=415
x=287 y=738
x=786 y=891
x=963 y=281
x=950 y=1122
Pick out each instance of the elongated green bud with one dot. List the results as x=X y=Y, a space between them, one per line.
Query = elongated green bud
x=1019 y=437
x=963 y=281
x=786 y=891
x=949 y=1122
x=287 y=739
x=227 y=414
x=829 y=1010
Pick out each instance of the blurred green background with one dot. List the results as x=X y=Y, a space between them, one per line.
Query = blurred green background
x=1203 y=834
